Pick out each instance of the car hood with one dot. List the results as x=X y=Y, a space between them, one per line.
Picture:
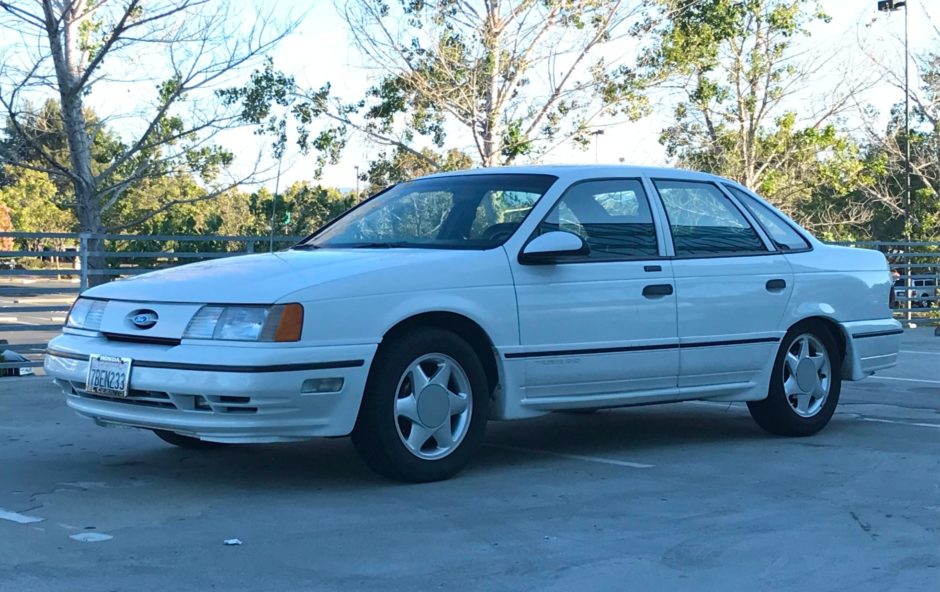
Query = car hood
x=271 y=277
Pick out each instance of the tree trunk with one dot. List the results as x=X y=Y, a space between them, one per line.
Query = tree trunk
x=492 y=134
x=67 y=56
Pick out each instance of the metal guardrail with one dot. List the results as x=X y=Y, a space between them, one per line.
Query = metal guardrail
x=918 y=265
x=64 y=254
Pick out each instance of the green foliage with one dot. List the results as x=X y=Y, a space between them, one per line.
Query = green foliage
x=32 y=203
x=400 y=165
x=737 y=56
x=6 y=225
x=301 y=209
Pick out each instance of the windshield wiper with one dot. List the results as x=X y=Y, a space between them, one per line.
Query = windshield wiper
x=373 y=246
x=305 y=247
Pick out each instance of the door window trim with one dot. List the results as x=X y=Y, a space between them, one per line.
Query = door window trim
x=769 y=247
x=661 y=238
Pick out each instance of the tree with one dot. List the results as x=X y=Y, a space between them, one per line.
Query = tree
x=512 y=77
x=301 y=209
x=183 y=47
x=6 y=225
x=743 y=113
x=887 y=149
x=32 y=203
x=397 y=165
x=40 y=132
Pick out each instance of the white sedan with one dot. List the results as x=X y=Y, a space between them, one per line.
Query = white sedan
x=451 y=300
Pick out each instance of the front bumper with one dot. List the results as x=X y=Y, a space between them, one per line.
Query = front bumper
x=219 y=392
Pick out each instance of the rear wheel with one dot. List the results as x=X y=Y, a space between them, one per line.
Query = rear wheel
x=424 y=409
x=185 y=441
x=804 y=386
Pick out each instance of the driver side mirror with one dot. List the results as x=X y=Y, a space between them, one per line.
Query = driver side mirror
x=551 y=246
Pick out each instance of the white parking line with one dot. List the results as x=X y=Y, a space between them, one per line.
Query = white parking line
x=594 y=459
x=17 y=517
x=923 y=353
x=910 y=423
x=906 y=379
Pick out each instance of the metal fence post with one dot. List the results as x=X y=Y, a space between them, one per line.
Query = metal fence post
x=250 y=246
x=83 y=260
x=908 y=285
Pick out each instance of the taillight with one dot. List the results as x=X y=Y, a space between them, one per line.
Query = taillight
x=892 y=296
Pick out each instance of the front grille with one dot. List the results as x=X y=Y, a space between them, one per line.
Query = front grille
x=141 y=339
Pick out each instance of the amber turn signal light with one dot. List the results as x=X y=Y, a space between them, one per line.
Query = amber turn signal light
x=291 y=323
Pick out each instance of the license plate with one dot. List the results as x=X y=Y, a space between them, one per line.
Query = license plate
x=108 y=376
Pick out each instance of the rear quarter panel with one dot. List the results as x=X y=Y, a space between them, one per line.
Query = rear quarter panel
x=851 y=287
x=840 y=283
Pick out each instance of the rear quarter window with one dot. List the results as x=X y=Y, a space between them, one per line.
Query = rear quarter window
x=781 y=232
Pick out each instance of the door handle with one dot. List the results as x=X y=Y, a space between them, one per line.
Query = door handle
x=657 y=290
x=776 y=285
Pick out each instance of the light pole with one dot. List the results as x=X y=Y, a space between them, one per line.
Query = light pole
x=596 y=133
x=890 y=6
x=277 y=187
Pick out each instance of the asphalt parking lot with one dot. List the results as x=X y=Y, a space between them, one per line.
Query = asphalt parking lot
x=692 y=496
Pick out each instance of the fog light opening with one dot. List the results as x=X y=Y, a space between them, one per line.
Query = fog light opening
x=322 y=385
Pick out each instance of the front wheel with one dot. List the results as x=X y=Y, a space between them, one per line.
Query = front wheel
x=424 y=409
x=804 y=385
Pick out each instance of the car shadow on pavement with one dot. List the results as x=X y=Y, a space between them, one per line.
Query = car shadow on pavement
x=333 y=463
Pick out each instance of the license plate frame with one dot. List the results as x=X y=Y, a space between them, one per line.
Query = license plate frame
x=108 y=376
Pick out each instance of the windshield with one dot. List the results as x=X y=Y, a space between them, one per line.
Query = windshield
x=454 y=212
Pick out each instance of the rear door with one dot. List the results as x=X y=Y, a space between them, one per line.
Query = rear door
x=602 y=325
x=732 y=288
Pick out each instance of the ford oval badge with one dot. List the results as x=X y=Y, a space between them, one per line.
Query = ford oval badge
x=144 y=319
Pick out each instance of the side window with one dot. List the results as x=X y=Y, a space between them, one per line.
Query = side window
x=783 y=235
x=705 y=222
x=612 y=216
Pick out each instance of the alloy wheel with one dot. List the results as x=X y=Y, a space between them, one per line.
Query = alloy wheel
x=433 y=405
x=807 y=375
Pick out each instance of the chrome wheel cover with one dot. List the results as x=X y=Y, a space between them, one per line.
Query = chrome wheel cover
x=433 y=406
x=807 y=375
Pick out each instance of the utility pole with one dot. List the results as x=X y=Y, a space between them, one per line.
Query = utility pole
x=357 y=182
x=889 y=6
x=596 y=133
x=277 y=187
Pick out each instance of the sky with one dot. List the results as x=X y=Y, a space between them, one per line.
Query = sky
x=321 y=51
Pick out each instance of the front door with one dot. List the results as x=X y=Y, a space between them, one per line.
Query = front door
x=601 y=327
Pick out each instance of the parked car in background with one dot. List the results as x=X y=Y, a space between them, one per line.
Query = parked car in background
x=497 y=294
x=922 y=292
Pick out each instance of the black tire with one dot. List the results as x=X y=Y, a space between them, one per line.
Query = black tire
x=777 y=413
x=377 y=435
x=186 y=441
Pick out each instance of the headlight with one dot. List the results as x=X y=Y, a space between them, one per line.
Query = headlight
x=86 y=314
x=281 y=322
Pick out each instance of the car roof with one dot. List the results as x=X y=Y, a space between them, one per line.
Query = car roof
x=576 y=171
